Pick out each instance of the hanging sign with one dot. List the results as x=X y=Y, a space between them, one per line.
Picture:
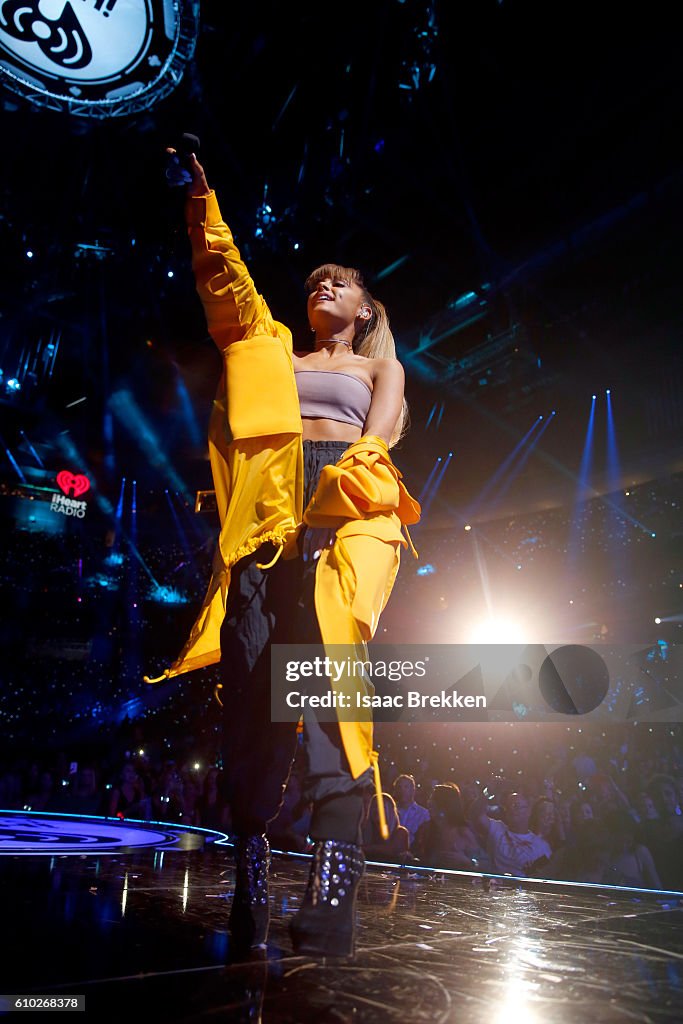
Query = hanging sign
x=73 y=485
x=96 y=58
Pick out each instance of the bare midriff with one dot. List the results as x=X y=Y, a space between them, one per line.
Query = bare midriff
x=329 y=430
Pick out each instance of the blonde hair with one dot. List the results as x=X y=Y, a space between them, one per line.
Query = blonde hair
x=374 y=340
x=390 y=810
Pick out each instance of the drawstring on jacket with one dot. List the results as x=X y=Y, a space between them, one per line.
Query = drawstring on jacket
x=269 y=565
x=383 y=827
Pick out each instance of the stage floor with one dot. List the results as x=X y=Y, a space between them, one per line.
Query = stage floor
x=138 y=927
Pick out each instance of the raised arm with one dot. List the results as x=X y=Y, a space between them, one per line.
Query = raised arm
x=233 y=307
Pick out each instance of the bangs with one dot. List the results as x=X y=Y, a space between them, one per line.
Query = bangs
x=335 y=273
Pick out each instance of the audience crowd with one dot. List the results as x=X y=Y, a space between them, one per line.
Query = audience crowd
x=571 y=803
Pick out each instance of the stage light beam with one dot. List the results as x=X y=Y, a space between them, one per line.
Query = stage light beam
x=495 y=630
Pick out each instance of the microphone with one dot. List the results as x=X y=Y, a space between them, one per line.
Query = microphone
x=188 y=144
x=178 y=163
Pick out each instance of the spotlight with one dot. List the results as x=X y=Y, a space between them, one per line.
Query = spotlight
x=607 y=392
x=653 y=534
x=467 y=526
x=657 y=620
x=594 y=397
x=29 y=254
x=497 y=631
x=13 y=384
x=169 y=274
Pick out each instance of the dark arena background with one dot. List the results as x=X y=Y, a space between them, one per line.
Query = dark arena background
x=508 y=177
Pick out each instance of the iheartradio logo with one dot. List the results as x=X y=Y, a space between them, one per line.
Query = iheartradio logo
x=73 y=485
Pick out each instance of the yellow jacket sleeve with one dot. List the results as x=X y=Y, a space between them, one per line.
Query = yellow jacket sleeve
x=255 y=427
x=257 y=394
x=234 y=309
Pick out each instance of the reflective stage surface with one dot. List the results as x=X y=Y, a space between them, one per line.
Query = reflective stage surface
x=141 y=932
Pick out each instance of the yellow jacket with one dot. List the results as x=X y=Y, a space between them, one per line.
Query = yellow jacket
x=257 y=464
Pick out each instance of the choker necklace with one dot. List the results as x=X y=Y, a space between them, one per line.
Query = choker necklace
x=337 y=341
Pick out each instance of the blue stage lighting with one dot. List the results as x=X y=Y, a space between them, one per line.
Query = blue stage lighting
x=432 y=485
x=133 y=420
x=29 y=254
x=103 y=582
x=167 y=595
x=464 y=300
x=13 y=384
x=179 y=527
x=498 y=483
x=169 y=274
x=392 y=267
x=607 y=392
x=593 y=397
x=426 y=570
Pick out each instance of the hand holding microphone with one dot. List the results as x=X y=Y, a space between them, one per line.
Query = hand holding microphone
x=183 y=168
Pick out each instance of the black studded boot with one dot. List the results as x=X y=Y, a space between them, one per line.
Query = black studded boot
x=250 y=913
x=326 y=923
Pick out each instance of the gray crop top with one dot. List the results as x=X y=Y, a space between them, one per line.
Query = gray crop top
x=331 y=395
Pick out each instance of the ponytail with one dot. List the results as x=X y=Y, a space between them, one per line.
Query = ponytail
x=376 y=341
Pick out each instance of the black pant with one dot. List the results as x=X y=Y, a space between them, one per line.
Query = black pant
x=276 y=606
